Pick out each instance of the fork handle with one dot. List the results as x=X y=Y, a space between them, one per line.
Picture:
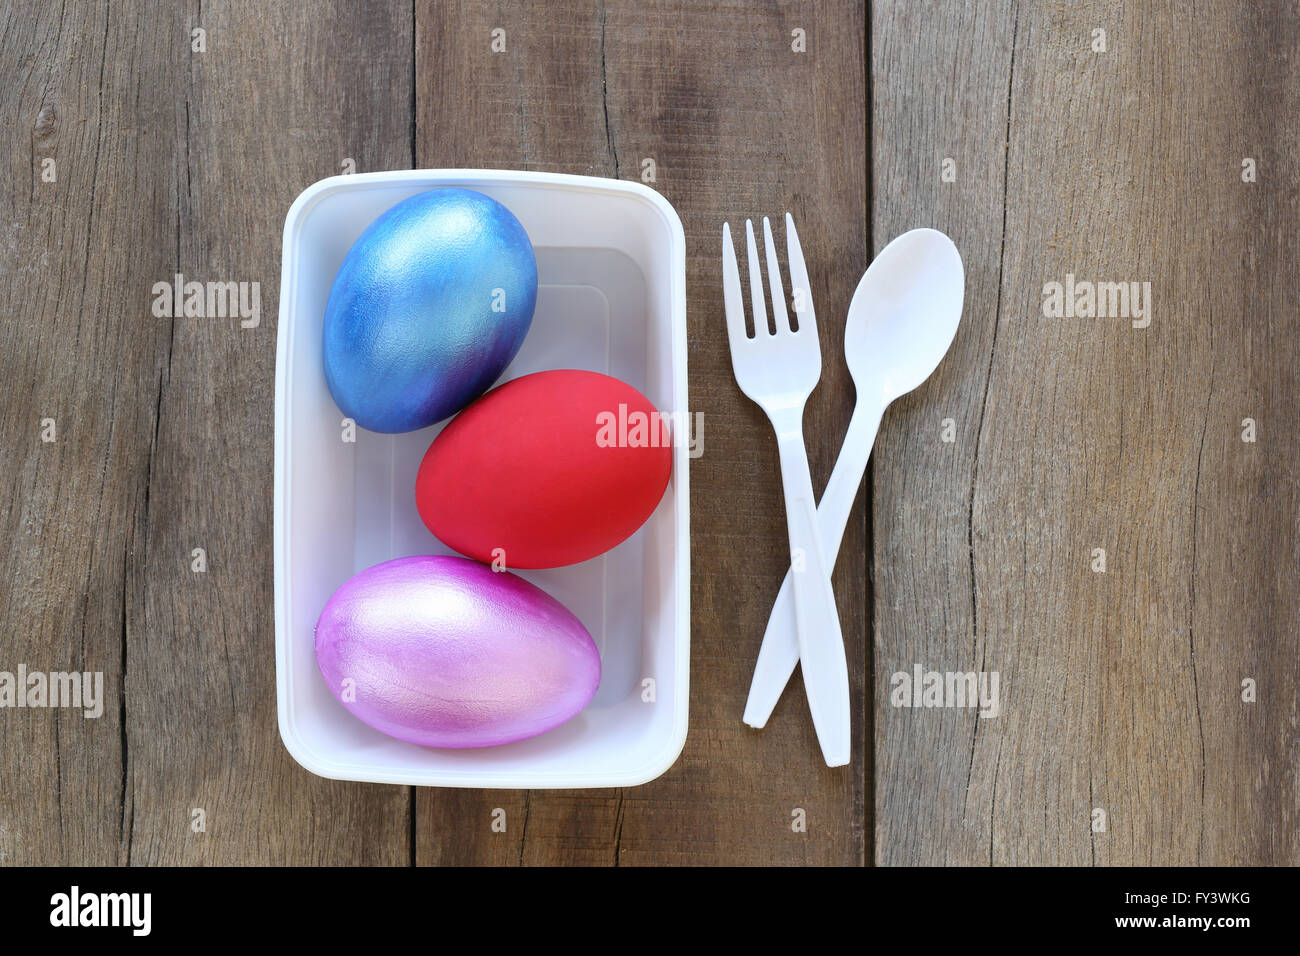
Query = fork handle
x=780 y=650
x=821 y=645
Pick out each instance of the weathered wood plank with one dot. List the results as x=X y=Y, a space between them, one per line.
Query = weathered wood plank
x=170 y=160
x=72 y=355
x=737 y=125
x=1121 y=690
x=299 y=90
x=921 y=485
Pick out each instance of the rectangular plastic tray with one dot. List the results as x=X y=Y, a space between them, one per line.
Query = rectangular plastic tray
x=611 y=264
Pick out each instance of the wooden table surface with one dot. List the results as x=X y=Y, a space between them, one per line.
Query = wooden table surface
x=1149 y=713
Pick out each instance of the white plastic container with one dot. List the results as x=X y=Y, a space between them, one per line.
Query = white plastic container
x=611 y=259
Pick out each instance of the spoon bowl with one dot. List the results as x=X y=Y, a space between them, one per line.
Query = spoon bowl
x=904 y=315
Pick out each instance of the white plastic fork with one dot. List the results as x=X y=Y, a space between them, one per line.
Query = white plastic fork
x=778 y=371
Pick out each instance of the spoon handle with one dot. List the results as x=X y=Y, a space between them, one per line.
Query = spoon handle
x=780 y=650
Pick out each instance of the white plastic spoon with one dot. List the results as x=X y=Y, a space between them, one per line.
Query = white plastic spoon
x=901 y=321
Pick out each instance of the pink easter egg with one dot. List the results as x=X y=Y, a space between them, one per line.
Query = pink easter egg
x=445 y=652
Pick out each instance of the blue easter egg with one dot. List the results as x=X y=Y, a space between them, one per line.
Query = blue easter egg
x=427 y=310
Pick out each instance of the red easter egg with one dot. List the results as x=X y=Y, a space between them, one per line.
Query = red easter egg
x=551 y=468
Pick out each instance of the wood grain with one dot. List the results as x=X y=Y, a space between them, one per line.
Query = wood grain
x=168 y=161
x=706 y=91
x=67 y=516
x=921 y=485
x=1122 y=689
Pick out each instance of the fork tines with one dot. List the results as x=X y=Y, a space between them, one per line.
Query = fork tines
x=781 y=321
